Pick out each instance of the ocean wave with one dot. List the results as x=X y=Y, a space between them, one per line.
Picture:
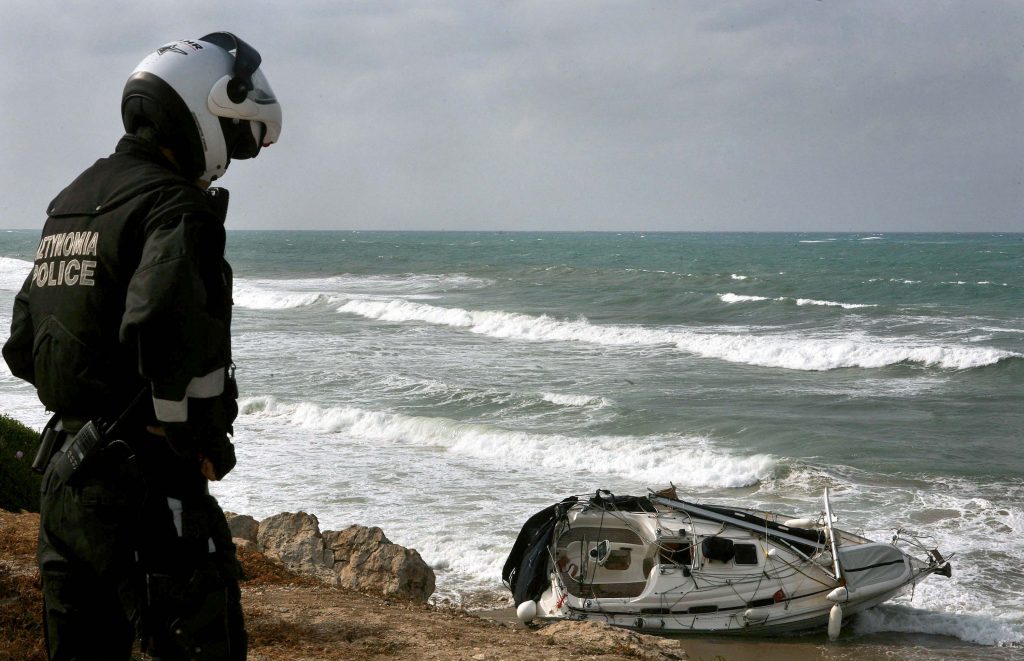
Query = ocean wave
x=978 y=523
x=13 y=273
x=845 y=306
x=261 y=299
x=788 y=351
x=741 y=298
x=687 y=461
x=449 y=392
x=973 y=628
x=996 y=329
x=574 y=400
x=270 y=294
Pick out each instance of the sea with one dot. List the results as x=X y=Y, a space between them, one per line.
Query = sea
x=444 y=386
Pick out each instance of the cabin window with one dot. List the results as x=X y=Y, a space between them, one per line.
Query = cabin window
x=717 y=548
x=746 y=554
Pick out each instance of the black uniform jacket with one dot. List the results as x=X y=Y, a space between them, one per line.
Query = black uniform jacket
x=129 y=288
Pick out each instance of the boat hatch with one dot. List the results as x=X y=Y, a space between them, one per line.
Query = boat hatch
x=746 y=554
x=602 y=562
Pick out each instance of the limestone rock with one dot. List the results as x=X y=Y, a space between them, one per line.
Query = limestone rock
x=242 y=526
x=601 y=639
x=366 y=560
x=295 y=540
x=358 y=558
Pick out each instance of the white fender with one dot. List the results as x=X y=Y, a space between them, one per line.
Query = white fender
x=527 y=611
x=839 y=594
x=835 y=621
x=806 y=524
x=756 y=615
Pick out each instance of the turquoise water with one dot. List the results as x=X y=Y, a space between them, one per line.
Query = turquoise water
x=446 y=385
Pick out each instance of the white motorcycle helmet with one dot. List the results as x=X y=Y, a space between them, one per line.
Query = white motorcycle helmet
x=208 y=101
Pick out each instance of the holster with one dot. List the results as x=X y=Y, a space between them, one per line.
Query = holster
x=89 y=440
x=76 y=451
x=50 y=440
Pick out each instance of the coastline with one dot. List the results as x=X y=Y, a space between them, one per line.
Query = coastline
x=294 y=617
x=291 y=617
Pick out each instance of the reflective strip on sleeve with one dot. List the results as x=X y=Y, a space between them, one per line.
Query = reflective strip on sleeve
x=210 y=385
x=168 y=410
x=201 y=387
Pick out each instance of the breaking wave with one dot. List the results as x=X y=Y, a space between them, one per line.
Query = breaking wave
x=788 y=351
x=261 y=299
x=574 y=400
x=972 y=628
x=261 y=294
x=13 y=273
x=739 y=298
x=687 y=461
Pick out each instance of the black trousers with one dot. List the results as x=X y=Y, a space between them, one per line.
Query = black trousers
x=121 y=561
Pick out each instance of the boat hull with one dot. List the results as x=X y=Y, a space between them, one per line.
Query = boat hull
x=658 y=564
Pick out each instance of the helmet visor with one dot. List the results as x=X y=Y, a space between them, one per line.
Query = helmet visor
x=245 y=94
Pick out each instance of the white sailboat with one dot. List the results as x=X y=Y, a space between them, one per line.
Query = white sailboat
x=661 y=564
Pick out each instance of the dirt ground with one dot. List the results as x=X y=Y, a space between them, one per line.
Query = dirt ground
x=295 y=619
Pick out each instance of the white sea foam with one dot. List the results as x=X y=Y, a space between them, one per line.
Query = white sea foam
x=269 y=294
x=13 y=273
x=817 y=240
x=789 y=351
x=845 y=306
x=687 y=461
x=574 y=400
x=976 y=525
x=734 y=276
x=255 y=298
x=994 y=329
x=266 y=294
x=972 y=628
x=742 y=298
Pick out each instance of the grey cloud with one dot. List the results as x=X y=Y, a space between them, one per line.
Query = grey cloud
x=572 y=115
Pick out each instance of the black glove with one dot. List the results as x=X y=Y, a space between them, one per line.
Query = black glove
x=181 y=439
x=191 y=444
x=220 y=452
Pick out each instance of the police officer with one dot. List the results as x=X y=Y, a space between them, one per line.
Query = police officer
x=123 y=328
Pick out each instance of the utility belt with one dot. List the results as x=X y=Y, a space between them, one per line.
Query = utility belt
x=63 y=453
x=68 y=442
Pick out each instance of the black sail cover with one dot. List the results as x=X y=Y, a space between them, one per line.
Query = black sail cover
x=526 y=570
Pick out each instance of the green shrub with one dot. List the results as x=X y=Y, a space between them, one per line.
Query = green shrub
x=19 y=484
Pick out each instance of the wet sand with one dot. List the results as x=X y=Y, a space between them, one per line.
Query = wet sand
x=816 y=646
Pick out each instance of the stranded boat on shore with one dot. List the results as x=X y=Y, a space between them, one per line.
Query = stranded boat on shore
x=658 y=563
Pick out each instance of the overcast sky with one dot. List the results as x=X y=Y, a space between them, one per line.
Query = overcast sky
x=586 y=115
